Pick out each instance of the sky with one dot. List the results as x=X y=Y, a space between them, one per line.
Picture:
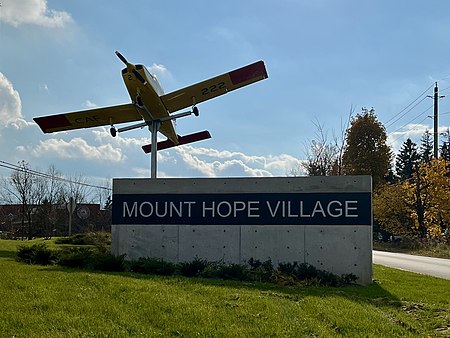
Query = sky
x=324 y=58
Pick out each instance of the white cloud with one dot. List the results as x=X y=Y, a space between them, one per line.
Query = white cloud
x=158 y=70
x=18 y=12
x=10 y=105
x=89 y=104
x=215 y=163
x=43 y=87
x=77 y=148
x=103 y=135
x=414 y=131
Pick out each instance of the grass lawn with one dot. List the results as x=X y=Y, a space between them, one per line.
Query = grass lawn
x=39 y=301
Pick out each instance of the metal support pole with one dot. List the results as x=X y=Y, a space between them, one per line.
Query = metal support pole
x=154 y=127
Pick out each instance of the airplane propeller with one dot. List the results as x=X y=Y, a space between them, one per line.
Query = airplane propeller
x=134 y=71
x=122 y=58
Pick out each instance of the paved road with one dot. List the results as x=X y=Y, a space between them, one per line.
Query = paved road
x=437 y=267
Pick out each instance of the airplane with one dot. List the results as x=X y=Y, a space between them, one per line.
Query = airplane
x=152 y=107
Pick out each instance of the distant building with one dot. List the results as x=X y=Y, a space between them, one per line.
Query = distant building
x=52 y=220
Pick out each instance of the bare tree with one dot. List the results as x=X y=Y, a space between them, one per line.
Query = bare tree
x=103 y=194
x=324 y=156
x=25 y=188
x=78 y=188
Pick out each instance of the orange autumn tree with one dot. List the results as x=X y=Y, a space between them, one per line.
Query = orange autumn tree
x=418 y=206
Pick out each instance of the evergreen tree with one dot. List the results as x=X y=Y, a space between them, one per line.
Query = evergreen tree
x=366 y=151
x=407 y=160
x=445 y=151
x=426 y=147
x=445 y=148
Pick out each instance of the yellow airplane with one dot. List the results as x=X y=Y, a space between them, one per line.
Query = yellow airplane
x=152 y=107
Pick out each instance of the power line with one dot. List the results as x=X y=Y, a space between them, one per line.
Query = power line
x=410 y=104
x=391 y=142
x=401 y=116
x=11 y=166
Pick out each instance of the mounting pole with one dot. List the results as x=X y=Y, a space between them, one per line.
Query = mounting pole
x=154 y=127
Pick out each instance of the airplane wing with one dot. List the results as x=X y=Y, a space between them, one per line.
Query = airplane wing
x=216 y=86
x=89 y=118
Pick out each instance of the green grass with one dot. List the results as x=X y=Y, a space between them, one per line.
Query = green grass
x=51 y=301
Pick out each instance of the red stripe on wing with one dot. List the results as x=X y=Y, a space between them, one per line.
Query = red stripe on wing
x=49 y=122
x=202 y=135
x=255 y=70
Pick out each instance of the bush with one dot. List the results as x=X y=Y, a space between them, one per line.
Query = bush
x=152 y=266
x=193 y=268
x=76 y=257
x=107 y=262
x=99 y=239
x=261 y=271
x=307 y=272
x=90 y=258
x=36 y=254
x=225 y=271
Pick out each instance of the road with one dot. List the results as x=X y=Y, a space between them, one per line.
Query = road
x=437 y=267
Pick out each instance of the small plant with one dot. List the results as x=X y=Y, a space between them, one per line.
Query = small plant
x=36 y=254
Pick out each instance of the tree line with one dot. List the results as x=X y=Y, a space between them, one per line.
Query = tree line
x=41 y=196
x=411 y=189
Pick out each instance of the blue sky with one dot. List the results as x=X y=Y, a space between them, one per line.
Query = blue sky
x=323 y=57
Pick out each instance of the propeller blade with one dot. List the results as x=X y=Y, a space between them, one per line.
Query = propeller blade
x=138 y=76
x=122 y=58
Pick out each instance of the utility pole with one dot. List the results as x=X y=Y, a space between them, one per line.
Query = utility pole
x=436 y=125
x=436 y=98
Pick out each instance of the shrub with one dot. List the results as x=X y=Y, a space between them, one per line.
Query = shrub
x=90 y=258
x=225 y=271
x=152 y=266
x=36 y=254
x=234 y=271
x=107 y=262
x=99 y=239
x=260 y=271
x=307 y=272
x=76 y=257
x=193 y=268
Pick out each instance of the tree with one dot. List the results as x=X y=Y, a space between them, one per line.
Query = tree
x=391 y=211
x=78 y=188
x=426 y=147
x=445 y=148
x=407 y=160
x=321 y=156
x=26 y=189
x=418 y=206
x=324 y=157
x=366 y=151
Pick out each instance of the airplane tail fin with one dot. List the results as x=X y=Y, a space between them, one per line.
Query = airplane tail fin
x=202 y=135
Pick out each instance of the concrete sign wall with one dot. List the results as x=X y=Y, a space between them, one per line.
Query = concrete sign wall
x=323 y=221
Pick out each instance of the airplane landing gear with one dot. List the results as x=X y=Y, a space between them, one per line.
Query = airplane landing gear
x=113 y=131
